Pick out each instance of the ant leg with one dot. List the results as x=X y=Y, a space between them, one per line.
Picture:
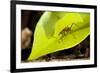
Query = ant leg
x=61 y=37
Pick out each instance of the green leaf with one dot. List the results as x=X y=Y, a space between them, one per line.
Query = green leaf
x=49 y=36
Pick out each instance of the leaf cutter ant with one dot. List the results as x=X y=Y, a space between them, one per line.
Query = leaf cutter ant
x=65 y=31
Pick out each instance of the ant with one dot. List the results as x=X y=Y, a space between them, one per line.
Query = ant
x=65 y=31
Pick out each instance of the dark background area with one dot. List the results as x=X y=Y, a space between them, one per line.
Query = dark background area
x=29 y=19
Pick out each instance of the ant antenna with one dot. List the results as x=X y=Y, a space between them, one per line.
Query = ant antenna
x=72 y=25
